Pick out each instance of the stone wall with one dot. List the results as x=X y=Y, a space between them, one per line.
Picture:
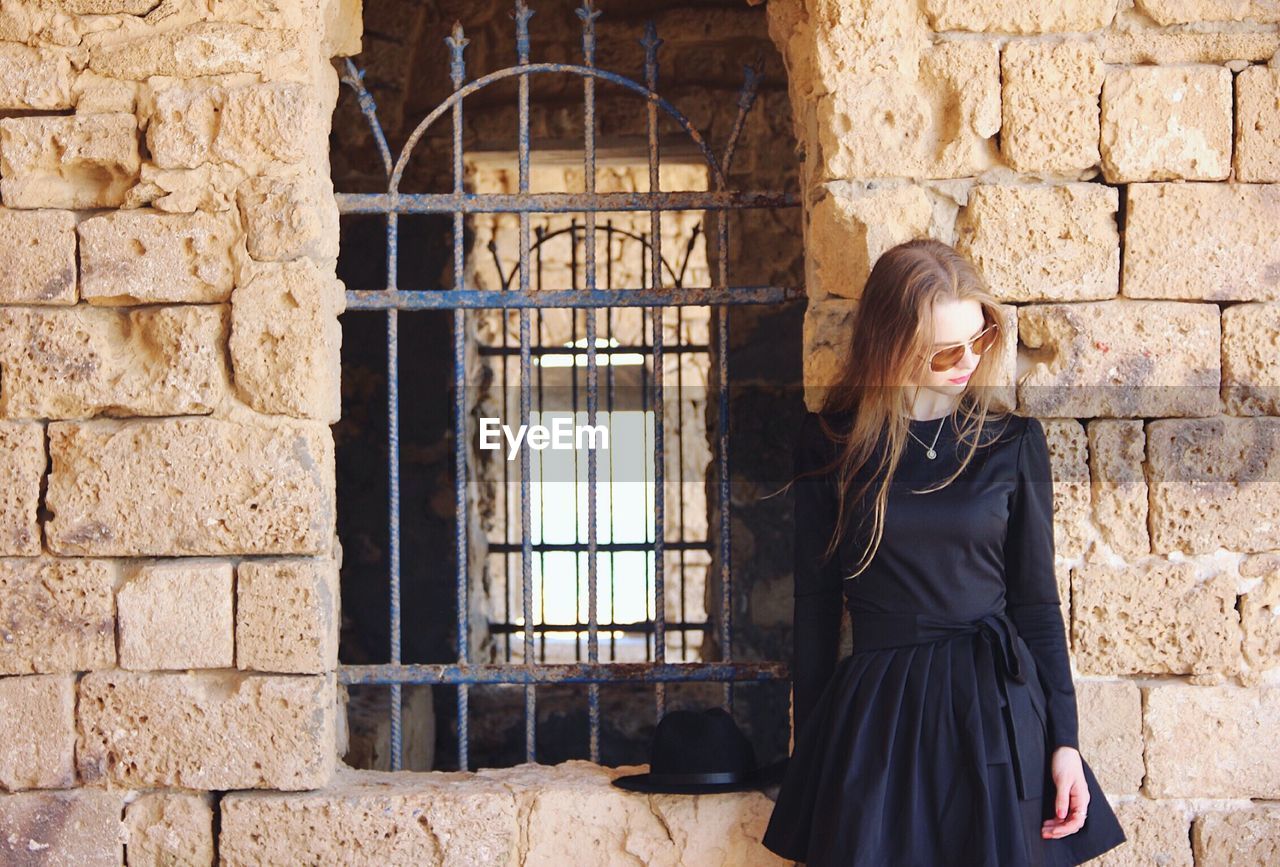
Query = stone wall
x=1112 y=169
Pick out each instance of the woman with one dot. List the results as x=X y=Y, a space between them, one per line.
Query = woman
x=948 y=737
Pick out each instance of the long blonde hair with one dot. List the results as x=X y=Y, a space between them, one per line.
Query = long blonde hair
x=892 y=334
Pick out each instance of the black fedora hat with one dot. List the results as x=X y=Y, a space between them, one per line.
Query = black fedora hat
x=698 y=752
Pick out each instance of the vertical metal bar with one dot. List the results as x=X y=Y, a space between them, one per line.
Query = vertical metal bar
x=610 y=403
x=588 y=17
x=522 y=15
x=457 y=73
x=651 y=43
x=393 y=481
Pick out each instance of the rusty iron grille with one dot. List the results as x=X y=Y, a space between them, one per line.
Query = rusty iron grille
x=654 y=296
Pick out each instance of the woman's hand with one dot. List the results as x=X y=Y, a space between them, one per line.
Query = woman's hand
x=1073 y=795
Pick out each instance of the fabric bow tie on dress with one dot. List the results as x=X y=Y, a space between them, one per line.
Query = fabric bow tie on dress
x=1021 y=713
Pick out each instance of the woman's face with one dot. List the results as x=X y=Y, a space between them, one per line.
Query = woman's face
x=954 y=321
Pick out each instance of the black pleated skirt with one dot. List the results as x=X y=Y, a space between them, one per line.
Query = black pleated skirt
x=893 y=769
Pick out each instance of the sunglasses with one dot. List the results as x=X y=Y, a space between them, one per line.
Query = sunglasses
x=948 y=357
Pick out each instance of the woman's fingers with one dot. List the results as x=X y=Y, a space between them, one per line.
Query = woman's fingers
x=1071 y=808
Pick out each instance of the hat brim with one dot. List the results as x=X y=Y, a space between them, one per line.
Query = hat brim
x=763 y=777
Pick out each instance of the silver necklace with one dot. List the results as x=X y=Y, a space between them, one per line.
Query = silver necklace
x=929 y=449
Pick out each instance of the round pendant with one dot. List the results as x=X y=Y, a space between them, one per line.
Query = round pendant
x=932 y=454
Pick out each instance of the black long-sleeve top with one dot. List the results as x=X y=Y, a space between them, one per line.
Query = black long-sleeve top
x=983 y=542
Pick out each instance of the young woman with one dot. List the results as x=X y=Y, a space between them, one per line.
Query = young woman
x=948 y=737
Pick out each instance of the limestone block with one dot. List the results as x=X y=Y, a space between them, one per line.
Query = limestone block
x=200 y=48
x=827 y=328
x=145 y=256
x=79 y=827
x=285 y=339
x=97 y=94
x=1250 y=362
x=190 y=486
x=1068 y=457
x=56 y=616
x=176 y=614
x=1018 y=16
x=22 y=466
x=1043 y=243
x=1110 y=715
x=249 y=125
x=1166 y=12
x=1157 y=45
x=70 y=161
x=1242 y=836
x=166 y=829
x=429 y=819
x=1257 y=153
x=936 y=120
x=77 y=362
x=209 y=187
x=1155 y=617
x=34 y=78
x=289 y=218
x=1120 y=358
x=1156 y=832
x=1259 y=610
x=1116 y=451
x=1166 y=122
x=1050 y=102
x=206 y=730
x=38 y=260
x=1221 y=232
x=1213 y=483
x=1237 y=734
x=37 y=730
x=287 y=615
x=852 y=225
x=106 y=7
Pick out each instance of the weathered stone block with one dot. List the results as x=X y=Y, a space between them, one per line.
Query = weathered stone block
x=1155 y=617
x=1157 y=45
x=1120 y=358
x=79 y=827
x=285 y=339
x=1213 y=484
x=1166 y=122
x=189 y=486
x=1017 y=16
x=287 y=615
x=935 y=121
x=167 y=829
x=34 y=78
x=1250 y=362
x=1166 y=12
x=1069 y=456
x=1043 y=243
x=1110 y=715
x=1226 y=250
x=200 y=48
x=72 y=161
x=56 y=615
x=1238 y=728
x=80 y=361
x=146 y=256
x=1257 y=153
x=1243 y=836
x=852 y=225
x=206 y=730
x=37 y=731
x=22 y=465
x=247 y=125
x=177 y=614
x=289 y=218
x=1156 y=832
x=1050 y=103
x=1116 y=452
x=96 y=94
x=1260 y=614
x=38 y=260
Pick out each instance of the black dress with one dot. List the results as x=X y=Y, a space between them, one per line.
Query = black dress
x=930 y=744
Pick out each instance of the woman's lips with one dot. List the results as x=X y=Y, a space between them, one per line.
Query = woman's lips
x=960 y=379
